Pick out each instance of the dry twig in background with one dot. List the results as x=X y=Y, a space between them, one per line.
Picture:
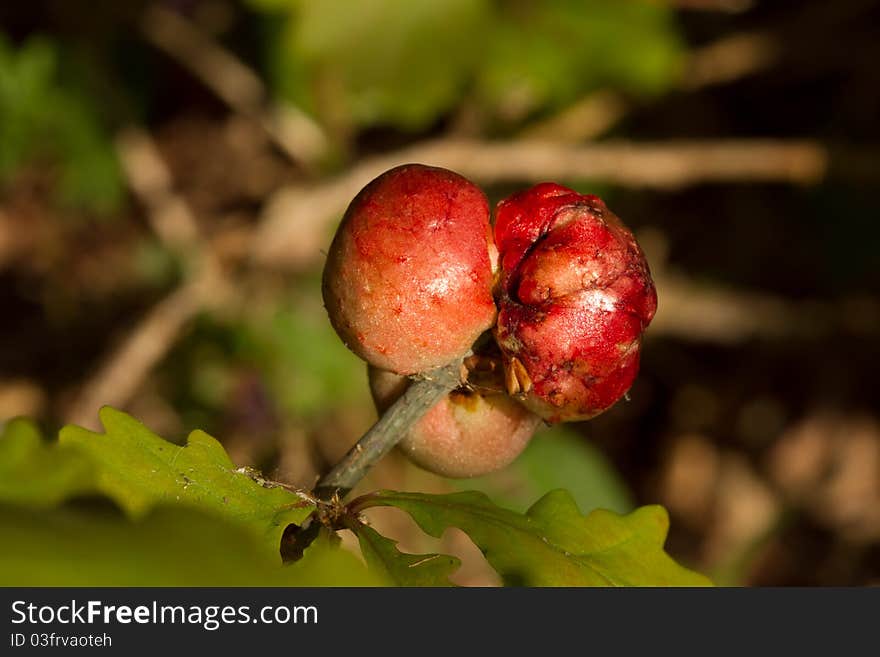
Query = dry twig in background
x=725 y=60
x=126 y=367
x=150 y=180
x=297 y=134
x=298 y=220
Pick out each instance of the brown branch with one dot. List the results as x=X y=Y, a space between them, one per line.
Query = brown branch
x=726 y=60
x=125 y=367
x=585 y=119
x=21 y=397
x=149 y=178
x=298 y=135
x=419 y=398
x=729 y=59
x=297 y=220
x=693 y=311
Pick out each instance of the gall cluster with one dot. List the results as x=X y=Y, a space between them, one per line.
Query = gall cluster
x=547 y=306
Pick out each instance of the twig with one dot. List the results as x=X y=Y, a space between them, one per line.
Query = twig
x=297 y=220
x=21 y=397
x=725 y=60
x=150 y=179
x=585 y=119
x=299 y=136
x=127 y=366
x=217 y=68
x=730 y=58
x=692 y=311
x=418 y=399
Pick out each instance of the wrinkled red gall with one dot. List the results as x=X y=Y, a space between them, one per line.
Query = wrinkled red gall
x=575 y=296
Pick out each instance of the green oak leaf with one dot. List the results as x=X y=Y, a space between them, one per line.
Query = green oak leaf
x=383 y=557
x=552 y=544
x=138 y=470
x=169 y=546
x=36 y=473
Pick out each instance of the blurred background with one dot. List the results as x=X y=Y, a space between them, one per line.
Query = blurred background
x=171 y=172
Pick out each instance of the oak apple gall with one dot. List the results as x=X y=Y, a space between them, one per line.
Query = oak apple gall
x=466 y=434
x=575 y=296
x=408 y=278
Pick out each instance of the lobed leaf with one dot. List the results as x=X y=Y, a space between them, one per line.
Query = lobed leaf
x=552 y=544
x=139 y=470
x=36 y=473
x=383 y=557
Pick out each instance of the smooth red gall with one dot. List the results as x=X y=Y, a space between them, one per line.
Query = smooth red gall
x=408 y=278
x=467 y=434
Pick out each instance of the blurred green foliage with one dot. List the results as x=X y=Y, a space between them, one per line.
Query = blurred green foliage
x=45 y=121
x=387 y=61
x=306 y=368
x=557 y=458
x=406 y=62
x=353 y=64
x=546 y=54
